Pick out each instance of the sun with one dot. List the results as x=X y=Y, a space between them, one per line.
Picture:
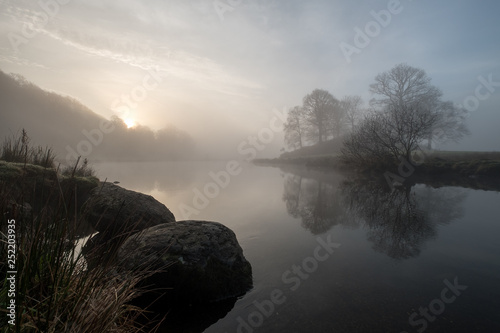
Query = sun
x=129 y=122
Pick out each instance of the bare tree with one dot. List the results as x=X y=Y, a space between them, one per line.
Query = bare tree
x=336 y=120
x=403 y=85
x=408 y=87
x=351 y=106
x=450 y=125
x=319 y=107
x=295 y=128
x=384 y=137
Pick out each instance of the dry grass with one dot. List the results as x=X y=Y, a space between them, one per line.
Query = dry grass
x=18 y=149
x=55 y=291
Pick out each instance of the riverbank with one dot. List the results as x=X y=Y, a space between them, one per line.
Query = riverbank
x=93 y=282
x=433 y=163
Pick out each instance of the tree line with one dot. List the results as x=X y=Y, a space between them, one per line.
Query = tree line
x=321 y=117
x=406 y=112
x=60 y=121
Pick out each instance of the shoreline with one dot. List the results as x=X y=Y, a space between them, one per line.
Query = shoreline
x=481 y=174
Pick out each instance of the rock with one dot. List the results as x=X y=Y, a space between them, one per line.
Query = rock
x=198 y=261
x=113 y=210
x=100 y=249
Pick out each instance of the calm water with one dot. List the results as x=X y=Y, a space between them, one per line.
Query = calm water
x=342 y=256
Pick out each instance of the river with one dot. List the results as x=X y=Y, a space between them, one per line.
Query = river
x=333 y=254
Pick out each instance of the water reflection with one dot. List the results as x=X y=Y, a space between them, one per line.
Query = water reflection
x=316 y=202
x=167 y=177
x=399 y=222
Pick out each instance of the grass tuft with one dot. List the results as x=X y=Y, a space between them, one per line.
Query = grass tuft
x=18 y=149
x=55 y=289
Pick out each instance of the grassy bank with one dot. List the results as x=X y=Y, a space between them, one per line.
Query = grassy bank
x=41 y=226
x=54 y=290
x=434 y=163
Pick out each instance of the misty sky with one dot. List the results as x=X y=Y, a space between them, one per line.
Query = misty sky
x=219 y=75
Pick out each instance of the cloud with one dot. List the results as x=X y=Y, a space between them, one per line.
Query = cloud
x=264 y=53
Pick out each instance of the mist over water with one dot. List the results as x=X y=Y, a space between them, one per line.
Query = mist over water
x=395 y=248
x=344 y=229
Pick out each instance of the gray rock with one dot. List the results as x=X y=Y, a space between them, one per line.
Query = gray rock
x=198 y=261
x=114 y=210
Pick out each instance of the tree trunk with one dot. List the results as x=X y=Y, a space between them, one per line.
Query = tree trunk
x=429 y=142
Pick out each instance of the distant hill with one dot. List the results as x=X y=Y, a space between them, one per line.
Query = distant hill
x=330 y=147
x=59 y=121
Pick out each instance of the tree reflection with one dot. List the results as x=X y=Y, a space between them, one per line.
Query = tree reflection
x=399 y=222
x=315 y=202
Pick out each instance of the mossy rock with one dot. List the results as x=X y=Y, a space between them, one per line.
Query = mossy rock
x=113 y=210
x=197 y=261
x=44 y=188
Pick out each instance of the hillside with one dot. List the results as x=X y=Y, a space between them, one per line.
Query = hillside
x=60 y=122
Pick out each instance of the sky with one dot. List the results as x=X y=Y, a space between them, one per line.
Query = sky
x=220 y=69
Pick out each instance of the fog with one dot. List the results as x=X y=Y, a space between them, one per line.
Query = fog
x=219 y=73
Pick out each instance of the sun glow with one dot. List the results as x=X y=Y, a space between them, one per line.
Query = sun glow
x=129 y=122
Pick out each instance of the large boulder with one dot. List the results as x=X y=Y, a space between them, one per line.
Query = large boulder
x=197 y=261
x=113 y=210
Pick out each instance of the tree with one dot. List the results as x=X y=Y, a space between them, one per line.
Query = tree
x=385 y=137
x=403 y=85
x=351 y=106
x=295 y=128
x=319 y=107
x=408 y=87
x=336 y=120
x=450 y=124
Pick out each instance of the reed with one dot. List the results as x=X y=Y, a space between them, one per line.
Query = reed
x=55 y=290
